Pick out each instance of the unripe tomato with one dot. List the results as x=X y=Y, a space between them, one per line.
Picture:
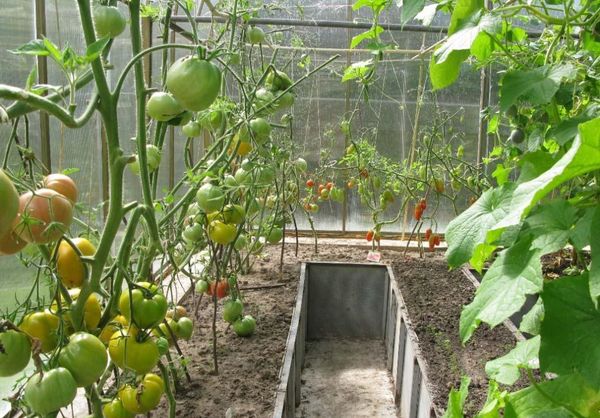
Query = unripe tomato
x=113 y=326
x=15 y=352
x=222 y=288
x=261 y=129
x=92 y=311
x=201 y=286
x=232 y=310
x=255 y=35
x=278 y=80
x=314 y=207
x=193 y=233
x=324 y=194
x=191 y=129
x=148 y=303
x=44 y=216
x=286 y=100
x=163 y=106
x=44 y=327
x=195 y=83
x=301 y=165
x=62 y=184
x=275 y=235
x=264 y=97
x=185 y=328
x=10 y=204
x=163 y=329
x=163 y=345
x=145 y=397
x=221 y=233
x=128 y=353
x=10 y=243
x=439 y=185
x=177 y=312
x=85 y=357
x=244 y=327
x=115 y=409
x=69 y=266
x=210 y=198
x=234 y=214
x=51 y=391
x=108 y=21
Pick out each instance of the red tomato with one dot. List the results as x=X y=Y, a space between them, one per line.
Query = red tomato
x=44 y=216
x=364 y=173
x=222 y=288
x=418 y=212
x=321 y=187
x=329 y=185
x=370 y=235
x=428 y=233
x=310 y=183
x=437 y=240
x=10 y=243
x=63 y=185
x=431 y=242
x=423 y=204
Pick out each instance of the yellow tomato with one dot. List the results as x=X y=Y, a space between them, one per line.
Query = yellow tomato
x=92 y=311
x=69 y=266
x=44 y=327
x=113 y=326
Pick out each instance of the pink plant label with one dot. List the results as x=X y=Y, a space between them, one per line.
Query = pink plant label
x=374 y=256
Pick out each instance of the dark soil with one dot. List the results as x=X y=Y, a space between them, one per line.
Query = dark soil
x=249 y=368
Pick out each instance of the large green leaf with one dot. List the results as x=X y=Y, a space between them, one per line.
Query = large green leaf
x=551 y=225
x=409 y=9
x=516 y=273
x=444 y=74
x=427 y=14
x=595 y=269
x=506 y=369
x=464 y=38
x=457 y=398
x=463 y=10
x=372 y=33
x=536 y=86
x=532 y=320
x=571 y=329
x=583 y=157
x=469 y=229
x=570 y=390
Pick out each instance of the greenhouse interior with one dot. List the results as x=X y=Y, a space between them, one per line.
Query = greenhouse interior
x=300 y=208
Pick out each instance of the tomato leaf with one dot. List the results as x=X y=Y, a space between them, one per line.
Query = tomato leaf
x=506 y=369
x=537 y=86
x=94 y=50
x=516 y=273
x=570 y=390
x=33 y=47
x=570 y=330
x=469 y=229
x=457 y=398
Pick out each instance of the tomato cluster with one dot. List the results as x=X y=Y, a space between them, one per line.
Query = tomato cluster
x=420 y=208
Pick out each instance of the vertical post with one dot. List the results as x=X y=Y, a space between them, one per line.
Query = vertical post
x=42 y=64
x=347 y=106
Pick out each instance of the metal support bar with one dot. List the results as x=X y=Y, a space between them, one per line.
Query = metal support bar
x=319 y=23
x=42 y=63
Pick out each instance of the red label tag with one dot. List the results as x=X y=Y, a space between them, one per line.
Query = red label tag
x=374 y=256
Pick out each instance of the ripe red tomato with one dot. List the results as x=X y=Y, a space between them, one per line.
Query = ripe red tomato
x=437 y=240
x=370 y=235
x=351 y=183
x=10 y=243
x=310 y=183
x=418 y=212
x=63 y=185
x=364 y=173
x=321 y=187
x=329 y=185
x=427 y=233
x=431 y=242
x=44 y=216
x=222 y=288
x=423 y=204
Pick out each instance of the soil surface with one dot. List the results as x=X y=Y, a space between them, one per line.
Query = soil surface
x=346 y=378
x=249 y=367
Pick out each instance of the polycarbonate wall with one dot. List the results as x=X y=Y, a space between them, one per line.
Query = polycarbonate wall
x=321 y=104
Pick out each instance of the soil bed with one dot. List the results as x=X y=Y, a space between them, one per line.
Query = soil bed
x=249 y=367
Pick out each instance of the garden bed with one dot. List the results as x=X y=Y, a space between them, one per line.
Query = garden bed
x=249 y=368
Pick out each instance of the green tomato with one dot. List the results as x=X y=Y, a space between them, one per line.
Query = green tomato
x=128 y=353
x=234 y=214
x=232 y=310
x=230 y=181
x=10 y=204
x=244 y=327
x=145 y=397
x=15 y=352
x=210 y=198
x=108 y=21
x=50 y=392
x=255 y=35
x=163 y=345
x=153 y=156
x=195 y=83
x=148 y=302
x=242 y=177
x=181 y=119
x=163 y=106
x=278 y=80
x=191 y=129
x=234 y=58
x=261 y=129
x=275 y=235
x=193 y=234
x=185 y=328
x=85 y=357
x=264 y=97
x=337 y=194
x=201 y=286
x=115 y=409
x=286 y=100
x=301 y=165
